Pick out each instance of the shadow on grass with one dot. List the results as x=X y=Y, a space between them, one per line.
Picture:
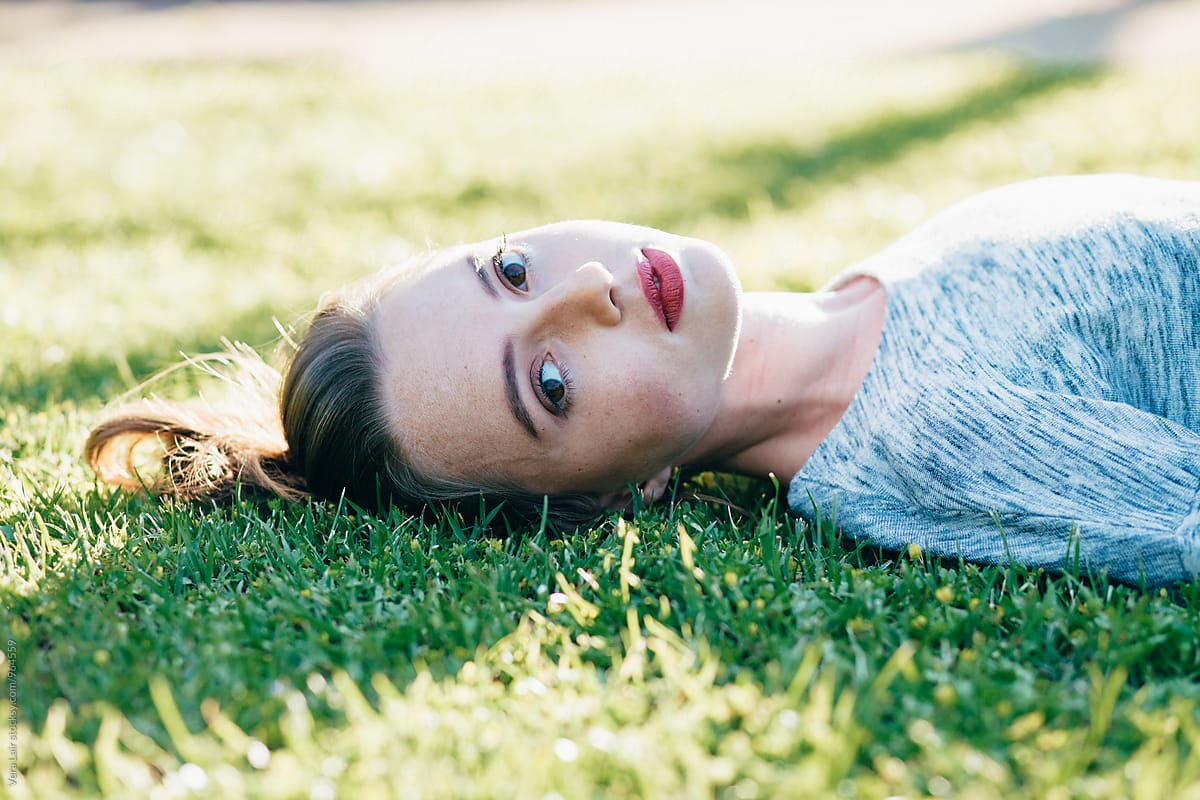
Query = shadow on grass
x=82 y=378
x=788 y=174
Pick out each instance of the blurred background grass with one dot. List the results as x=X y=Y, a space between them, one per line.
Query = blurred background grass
x=150 y=206
x=154 y=209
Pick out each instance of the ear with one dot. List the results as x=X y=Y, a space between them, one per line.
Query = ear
x=651 y=491
x=655 y=489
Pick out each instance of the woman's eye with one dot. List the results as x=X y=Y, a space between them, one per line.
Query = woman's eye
x=511 y=266
x=553 y=384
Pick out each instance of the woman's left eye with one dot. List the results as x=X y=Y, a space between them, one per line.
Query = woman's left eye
x=554 y=387
x=511 y=266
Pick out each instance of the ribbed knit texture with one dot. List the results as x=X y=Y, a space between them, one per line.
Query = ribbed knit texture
x=1036 y=394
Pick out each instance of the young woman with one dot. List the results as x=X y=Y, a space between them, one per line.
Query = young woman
x=1017 y=379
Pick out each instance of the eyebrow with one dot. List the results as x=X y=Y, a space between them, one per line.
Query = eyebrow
x=514 y=396
x=477 y=267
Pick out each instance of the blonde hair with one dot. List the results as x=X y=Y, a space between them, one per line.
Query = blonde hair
x=324 y=434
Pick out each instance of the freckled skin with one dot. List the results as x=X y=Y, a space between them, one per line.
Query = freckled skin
x=640 y=395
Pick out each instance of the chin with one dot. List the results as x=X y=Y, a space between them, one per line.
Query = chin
x=719 y=264
x=735 y=331
x=737 y=336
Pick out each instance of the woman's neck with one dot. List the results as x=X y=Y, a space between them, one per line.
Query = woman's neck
x=800 y=360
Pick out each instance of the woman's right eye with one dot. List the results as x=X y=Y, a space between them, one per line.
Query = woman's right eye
x=510 y=265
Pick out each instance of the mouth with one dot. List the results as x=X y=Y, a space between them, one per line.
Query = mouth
x=662 y=283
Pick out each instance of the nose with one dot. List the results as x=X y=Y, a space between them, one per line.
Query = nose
x=586 y=295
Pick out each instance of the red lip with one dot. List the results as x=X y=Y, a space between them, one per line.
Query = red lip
x=662 y=283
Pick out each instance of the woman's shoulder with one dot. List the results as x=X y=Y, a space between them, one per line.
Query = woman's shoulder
x=1059 y=210
x=1064 y=205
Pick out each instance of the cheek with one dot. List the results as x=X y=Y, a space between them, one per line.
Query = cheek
x=666 y=415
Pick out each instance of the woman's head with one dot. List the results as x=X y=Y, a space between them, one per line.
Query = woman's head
x=566 y=361
x=574 y=357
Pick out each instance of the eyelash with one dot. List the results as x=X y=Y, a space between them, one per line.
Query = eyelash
x=535 y=377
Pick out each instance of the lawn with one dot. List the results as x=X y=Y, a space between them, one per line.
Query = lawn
x=705 y=647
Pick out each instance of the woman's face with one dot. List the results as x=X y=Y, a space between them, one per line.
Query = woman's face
x=578 y=356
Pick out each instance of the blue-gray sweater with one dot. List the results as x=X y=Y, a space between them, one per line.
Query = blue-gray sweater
x=1037 y=387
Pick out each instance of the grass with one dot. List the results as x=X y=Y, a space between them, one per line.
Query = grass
x=264 y=650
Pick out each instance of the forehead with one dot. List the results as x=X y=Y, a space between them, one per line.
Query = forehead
x=442 y=378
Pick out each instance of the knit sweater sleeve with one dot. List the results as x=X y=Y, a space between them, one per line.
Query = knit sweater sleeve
x=1038 y=478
